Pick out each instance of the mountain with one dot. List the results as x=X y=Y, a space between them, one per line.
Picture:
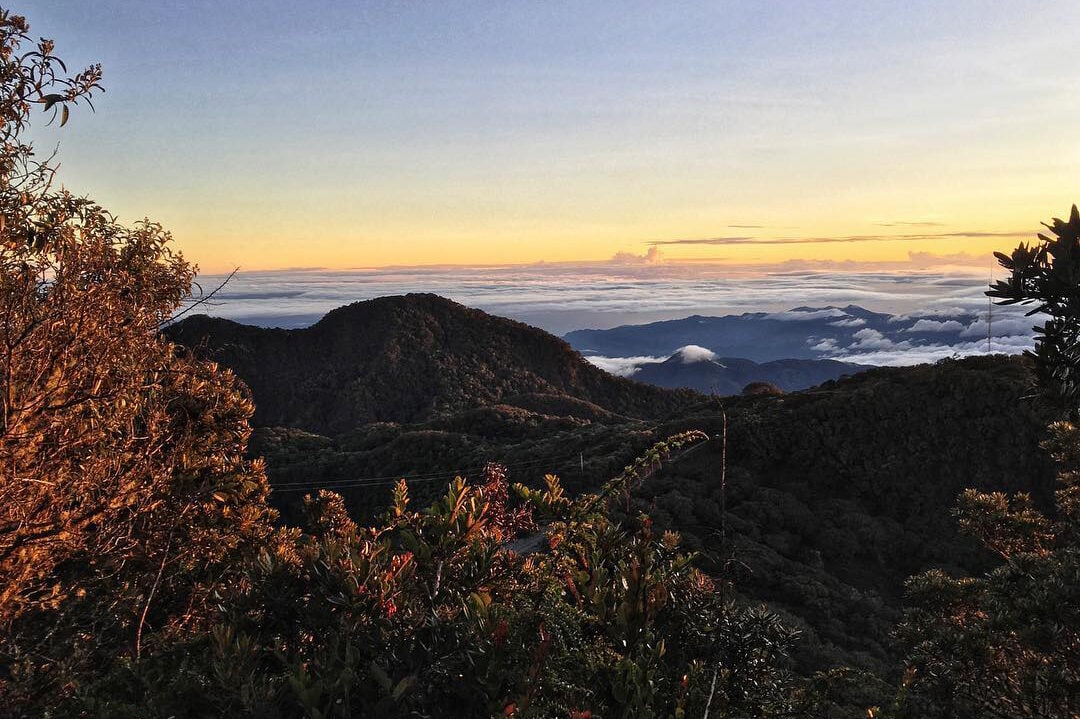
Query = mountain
x=810 y=333
x=819 y=502
x=835 y=495
x=831 y=497
x=408 y=359
x=698 y=368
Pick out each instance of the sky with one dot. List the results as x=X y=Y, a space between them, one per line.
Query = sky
x=271 y=135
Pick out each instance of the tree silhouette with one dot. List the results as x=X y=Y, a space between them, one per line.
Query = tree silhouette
x=1048 y=275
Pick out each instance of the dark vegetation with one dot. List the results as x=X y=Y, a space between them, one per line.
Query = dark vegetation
x=143 y=572
x=408 y=359
x=831 y=499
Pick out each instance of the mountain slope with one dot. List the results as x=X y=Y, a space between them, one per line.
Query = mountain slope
x=831 y=496
x=700 y=369
x=406 y=359
x=813 y=333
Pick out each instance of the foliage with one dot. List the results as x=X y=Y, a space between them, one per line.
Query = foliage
x=833 y=496
x=1048 y=276
x=766 y=388
x=1007 y=644
x=437 y=613
x=125 y=497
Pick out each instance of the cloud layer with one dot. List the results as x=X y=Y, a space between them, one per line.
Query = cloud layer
x=929 y=296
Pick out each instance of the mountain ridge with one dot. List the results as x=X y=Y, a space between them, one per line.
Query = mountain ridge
x=731 y=375
x=409 y=358
x=808 y=332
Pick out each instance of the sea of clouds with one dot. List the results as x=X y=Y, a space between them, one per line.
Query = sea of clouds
x=629 y=289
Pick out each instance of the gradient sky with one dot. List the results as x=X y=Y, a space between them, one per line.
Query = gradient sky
x=296 y=134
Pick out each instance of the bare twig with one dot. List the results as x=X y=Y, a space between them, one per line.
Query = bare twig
x=712 y=690
x=150 y=595
x=199 y=302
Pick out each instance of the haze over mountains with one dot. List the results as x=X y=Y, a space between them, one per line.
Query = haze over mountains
x=850 y=334
x=701 y=369
x=627 y=289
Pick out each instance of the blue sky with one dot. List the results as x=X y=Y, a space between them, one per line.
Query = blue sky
x=273 y=134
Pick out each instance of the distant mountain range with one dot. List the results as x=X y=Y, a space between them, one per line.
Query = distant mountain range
x=409 y=359
x=813 y=333
x=698 y=368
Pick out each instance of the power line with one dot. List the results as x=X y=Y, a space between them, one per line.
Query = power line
x=571 y=461
x=395 y=477
x=566 y=463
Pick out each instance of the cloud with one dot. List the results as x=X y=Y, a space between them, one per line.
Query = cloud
x=904 y=356
x=909 y=224
x=563 y=296
x=826 y=345
x=871 y=339
x=1001 y=326
x=927 y=325
x=741 y=240
x=849 y=322
x=805 y=315
x=695 y=353
x=932 y=259
x=651 y=257
x=622 y=366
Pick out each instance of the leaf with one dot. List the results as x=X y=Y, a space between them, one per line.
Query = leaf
x=381 y=677
x=64 y=115
x=51 y=100
x=403 y=686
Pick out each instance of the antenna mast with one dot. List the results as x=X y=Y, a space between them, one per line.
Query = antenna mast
x=990 y=310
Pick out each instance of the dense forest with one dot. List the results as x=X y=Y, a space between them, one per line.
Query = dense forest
x=414 y=509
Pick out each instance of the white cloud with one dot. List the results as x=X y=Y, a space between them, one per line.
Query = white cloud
x=651 y=257
x=826 y=345
x=1002 y=326
x=560 y=297
x=806 y=315
x=694 y=353
x=622 y=366
x=850 y=322
x=925 y=325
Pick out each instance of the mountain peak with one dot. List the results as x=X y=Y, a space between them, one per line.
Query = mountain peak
x=691 y=354
x=409 y=358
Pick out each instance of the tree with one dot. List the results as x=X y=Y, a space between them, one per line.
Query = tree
x=1007 y=644
x=490 y=602
x=125 y=498
x=1047 y=275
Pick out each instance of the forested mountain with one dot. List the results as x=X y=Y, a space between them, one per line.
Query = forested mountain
x=801 y=333
x=407 y=359
x=834 y=496
x=699 y=369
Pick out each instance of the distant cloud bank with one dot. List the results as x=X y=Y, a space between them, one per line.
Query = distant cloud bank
x=931 y=294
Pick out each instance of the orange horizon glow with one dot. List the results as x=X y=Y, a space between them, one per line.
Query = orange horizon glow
x=520 y=133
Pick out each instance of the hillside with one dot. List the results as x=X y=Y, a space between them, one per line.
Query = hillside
x=408 y=359
x=834 y=495
x=700 y=369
